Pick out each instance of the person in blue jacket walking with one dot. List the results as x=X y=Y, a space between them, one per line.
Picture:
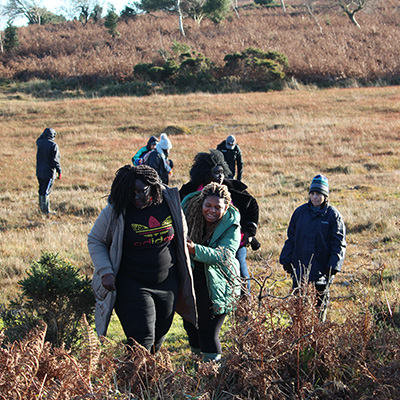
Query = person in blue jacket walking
x=316 y=243
x=47 y=167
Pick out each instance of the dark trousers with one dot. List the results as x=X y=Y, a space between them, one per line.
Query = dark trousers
x=45 y=186
x=146 y=311
x=206 y=337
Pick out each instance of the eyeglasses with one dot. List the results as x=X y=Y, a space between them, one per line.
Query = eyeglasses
x=231 y=144
x=142 y=192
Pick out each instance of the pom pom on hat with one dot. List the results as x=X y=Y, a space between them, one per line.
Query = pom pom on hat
x=165 y=143
x=320 y=184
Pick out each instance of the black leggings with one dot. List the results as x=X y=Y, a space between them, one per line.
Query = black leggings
x=206 y=337
x=145 y=311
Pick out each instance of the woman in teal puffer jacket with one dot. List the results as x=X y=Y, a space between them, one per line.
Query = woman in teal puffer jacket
x=214 y=231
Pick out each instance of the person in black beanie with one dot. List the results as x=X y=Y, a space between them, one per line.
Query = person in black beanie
x=316 y=243
x=233 y=157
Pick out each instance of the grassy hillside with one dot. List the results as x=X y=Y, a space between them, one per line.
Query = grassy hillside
x=350 y=135
x=322 y=46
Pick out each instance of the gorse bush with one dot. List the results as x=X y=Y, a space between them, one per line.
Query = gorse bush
x=256 y=69
x=54 y=292
x=187 y=71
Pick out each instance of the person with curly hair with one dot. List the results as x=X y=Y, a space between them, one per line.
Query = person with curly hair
x=214 y=237
x=211 y=167
x=140 y=257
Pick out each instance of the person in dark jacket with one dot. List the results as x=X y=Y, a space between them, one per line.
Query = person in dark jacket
x=151 y=145
x=159 y=159
x=233 y=157
x=211 y=167
x=47 y=166
x=316 y=243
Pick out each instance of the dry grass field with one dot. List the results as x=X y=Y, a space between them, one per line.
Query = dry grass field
x=350 y=135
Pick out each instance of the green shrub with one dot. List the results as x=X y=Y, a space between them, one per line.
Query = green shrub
x=53 y=292
x=195 y=73
x=111 y=21
x=11 y=41
x=256 y=69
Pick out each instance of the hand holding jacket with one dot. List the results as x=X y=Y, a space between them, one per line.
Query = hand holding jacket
x=108 y=281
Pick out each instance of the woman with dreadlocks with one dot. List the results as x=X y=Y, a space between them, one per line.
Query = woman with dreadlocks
x=141 y=262
x=214 y=237
x=211 y=167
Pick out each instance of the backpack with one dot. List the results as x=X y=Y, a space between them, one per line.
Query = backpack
x=144 y=160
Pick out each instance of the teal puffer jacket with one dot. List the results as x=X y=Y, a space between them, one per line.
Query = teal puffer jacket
x=222 y=267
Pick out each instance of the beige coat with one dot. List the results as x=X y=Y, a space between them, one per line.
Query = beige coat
x=105 y=248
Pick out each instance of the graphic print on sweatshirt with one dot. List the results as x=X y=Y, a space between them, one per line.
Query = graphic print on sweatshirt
x=151 y=226
x=148 y=251
x=155 y=232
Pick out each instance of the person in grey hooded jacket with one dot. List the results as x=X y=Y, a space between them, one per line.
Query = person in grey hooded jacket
x=316 y=244
x=47 y=166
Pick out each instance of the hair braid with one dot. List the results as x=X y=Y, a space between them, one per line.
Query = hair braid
x=194 y=212
x=123 y=187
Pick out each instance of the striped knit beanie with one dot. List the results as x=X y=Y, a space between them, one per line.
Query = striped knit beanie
x=320 y=184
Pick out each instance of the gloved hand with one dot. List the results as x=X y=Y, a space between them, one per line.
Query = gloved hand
x=108 y=281
x=330 y=272
x=254 y=243
x=59 y=175
x=288 y=268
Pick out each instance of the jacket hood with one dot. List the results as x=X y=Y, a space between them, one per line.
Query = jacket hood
x=48 y=133
x=152 y=140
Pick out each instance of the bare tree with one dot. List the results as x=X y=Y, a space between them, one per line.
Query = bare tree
x=30 y=9
x=83 y=8
x=351 y=7
x=194 y=9
x=178 y=6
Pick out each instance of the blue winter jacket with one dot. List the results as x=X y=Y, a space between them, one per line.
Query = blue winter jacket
x=48 y=155
x=316 y=238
